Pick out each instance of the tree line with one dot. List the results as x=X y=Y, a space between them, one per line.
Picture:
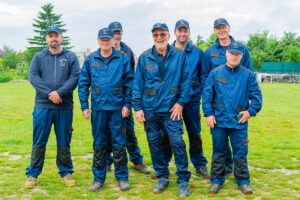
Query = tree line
x=263 y=46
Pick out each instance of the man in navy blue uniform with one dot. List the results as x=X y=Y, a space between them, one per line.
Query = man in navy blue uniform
x=54 y=74
x=109 y=75
x=191 y=110
x=131 y=141
x=214 y=56
x=227 y=110
x=161 y=88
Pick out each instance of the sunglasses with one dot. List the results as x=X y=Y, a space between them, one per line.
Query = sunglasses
x=162 y=35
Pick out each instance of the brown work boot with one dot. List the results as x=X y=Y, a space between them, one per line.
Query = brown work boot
x=142 y=168
x=68 y=180
x=31 y=182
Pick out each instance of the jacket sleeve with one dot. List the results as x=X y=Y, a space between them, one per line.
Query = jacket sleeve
x=138 y=86
x=205 y=68
x=208 y=96
x=132 y=61
x=128 y=81
x=255 y=96
x=186 y=92
x=70 y=85
x=35 y=78
x=247 y=60
x=84 y=84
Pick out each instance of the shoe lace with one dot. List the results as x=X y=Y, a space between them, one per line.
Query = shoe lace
x=161 y=181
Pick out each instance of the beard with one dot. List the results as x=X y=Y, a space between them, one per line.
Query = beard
x=54 y=46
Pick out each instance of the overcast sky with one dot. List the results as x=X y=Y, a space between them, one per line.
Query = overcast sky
x=85 y=17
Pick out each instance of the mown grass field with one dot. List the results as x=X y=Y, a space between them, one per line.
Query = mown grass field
x=274 y=153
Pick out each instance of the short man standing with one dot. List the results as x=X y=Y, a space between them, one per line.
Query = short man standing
x=131 y=141
x=227 y=110
x=161 y=88
x=107 y=72
x=54 y=74
x=214 y=56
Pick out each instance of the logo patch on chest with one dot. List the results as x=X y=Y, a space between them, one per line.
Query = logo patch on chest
x=222 y=79
x=96 y=64
x=62 y=62
x=149 y=66
x=215 y=55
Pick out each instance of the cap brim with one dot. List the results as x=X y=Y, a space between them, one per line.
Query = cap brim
x=159 y=28
x=109 y=37
x=182 y=26
x=117 y=29
x=221 y=24
x=236 y=51
x=53 y=31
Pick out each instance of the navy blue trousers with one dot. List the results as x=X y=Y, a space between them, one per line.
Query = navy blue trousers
x=239 y=142
x=132 y=146
x=43 y=119
x=173 y=128
x=103 y=123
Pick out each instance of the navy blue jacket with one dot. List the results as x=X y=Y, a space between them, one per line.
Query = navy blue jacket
x=194 y=60
x=127 y=50
x=227 y=92
x=111 y=85
x=54 y=72
x=158 y=90
x=215 y=56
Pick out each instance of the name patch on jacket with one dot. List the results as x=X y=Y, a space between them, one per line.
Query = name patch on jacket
x=96 y=64
x=222 y=79
x=63 y=62
x=215 y=55
x=149 y=66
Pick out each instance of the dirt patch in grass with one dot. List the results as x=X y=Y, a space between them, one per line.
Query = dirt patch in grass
x=11 y=157
x=286 y=172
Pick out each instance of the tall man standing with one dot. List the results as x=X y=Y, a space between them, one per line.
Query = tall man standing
x=131 y=141
x=107 y=72
x=161 y=88
x=215 y=56
x=227 y=110
x=54 y=74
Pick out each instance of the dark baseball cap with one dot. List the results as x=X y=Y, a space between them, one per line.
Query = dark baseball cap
x=181 y=23
x=115 y=26
x=235 y=47
x=105 y=33
x=160 y=26
x=219 y=21
x=53 y=28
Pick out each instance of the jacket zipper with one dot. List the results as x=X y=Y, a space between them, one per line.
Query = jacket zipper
x=55 y=72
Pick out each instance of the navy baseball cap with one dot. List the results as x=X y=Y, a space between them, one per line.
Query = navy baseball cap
x=105 y=33
x=220 y=21
x=181 y=23
x=54 y=29
x=160 y=26
x=115 y=26
x=235 y=47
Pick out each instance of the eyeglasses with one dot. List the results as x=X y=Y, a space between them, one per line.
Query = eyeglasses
x=162 y=35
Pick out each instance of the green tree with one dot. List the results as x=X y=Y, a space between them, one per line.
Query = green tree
x=11 y=60
x=45 y=18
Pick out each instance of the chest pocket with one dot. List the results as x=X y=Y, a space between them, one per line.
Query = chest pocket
x=98 y=70
x=222 y=80
x=217 y=59
x=152 y=71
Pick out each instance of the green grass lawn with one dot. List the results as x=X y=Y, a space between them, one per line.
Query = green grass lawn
x=274 y=153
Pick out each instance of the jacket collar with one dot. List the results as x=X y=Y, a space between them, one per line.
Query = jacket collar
x=217 y=43
x=153 y=52
x=188 y=48
x=115 y=54
x=233 y=69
